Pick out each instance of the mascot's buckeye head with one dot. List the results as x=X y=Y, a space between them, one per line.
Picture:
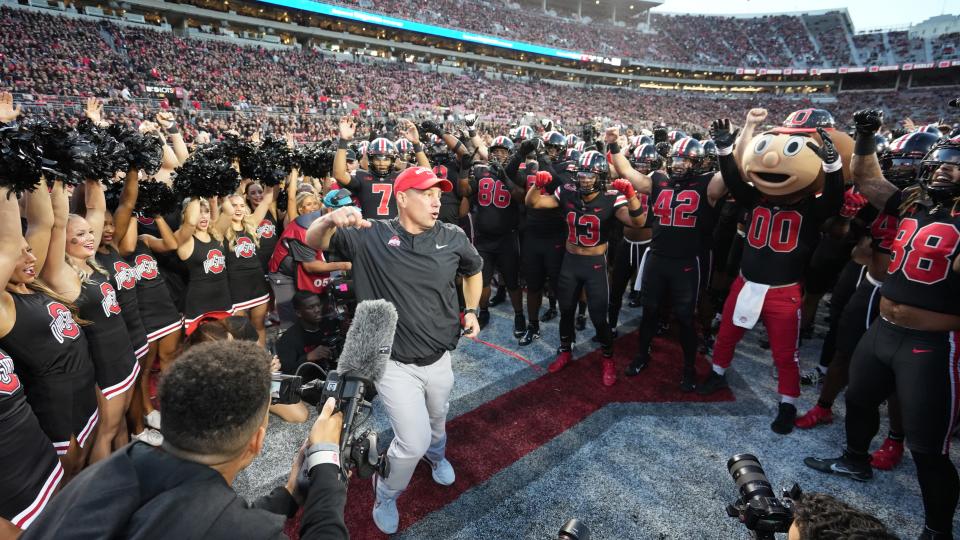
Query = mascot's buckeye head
x=779 y=163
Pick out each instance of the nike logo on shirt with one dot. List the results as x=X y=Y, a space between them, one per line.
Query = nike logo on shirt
x=441 y=247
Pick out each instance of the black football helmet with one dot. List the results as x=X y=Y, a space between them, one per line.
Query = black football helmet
x=523 y=133
x=592 y=164
x=941 y=189
x=498 y=143
x=675 y=135
x=572 y=154
x=809 y=119
x=572 y=140
x=690 y=149
x=711 y=160
x=379 y=149
x=646 y=159
x=555 y=143
x=405 y=151
x=900 y=162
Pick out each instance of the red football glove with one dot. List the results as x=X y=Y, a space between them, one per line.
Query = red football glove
x=543 y=179
x=853 y=202
x=624 y=186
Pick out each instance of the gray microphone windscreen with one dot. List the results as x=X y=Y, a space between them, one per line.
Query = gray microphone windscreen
x=369 y=340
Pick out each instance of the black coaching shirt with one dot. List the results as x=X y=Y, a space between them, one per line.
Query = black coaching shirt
x=416 y=273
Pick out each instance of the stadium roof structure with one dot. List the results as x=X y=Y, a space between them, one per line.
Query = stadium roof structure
x=595 y=9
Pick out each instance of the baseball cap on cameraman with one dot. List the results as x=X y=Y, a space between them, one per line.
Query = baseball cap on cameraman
x=420 y=178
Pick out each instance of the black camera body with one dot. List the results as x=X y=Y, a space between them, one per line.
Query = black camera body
x=758 y=507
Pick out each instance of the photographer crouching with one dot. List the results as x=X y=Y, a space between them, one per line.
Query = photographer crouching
x=214 y=400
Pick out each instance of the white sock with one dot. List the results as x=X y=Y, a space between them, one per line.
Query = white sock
x=788 y=399
x=718 y=370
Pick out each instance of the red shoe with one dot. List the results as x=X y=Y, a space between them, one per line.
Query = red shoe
x=814 y=417
x=563 y=358
x=888 y=455
x=609 y=372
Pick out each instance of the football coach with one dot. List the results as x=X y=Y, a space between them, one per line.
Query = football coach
x=412 y=261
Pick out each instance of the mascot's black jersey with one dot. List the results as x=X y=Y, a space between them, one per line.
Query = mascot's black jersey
x=921 y=261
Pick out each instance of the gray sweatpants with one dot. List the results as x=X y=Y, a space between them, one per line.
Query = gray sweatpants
x=416 y=401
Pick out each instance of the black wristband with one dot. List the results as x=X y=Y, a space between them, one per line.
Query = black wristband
x=865 y=144
x=636 y=213
x=614 y=148
x=470 y=310
x=343 y=145
x=417 y=148
x=173 y=130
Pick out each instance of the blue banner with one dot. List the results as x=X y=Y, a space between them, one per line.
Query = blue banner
x=411 y=26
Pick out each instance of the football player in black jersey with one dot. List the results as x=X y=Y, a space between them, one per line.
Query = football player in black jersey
x=497 y=200
x=588 y=208
x=913 y=349
x=681 y=208
x=374 y=187
x=782 y=234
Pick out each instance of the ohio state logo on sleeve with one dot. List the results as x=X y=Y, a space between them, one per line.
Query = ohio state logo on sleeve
x=109 y=300
x=124 y=275
x=215 y=262
x=245 y=248
x=9 y=382
x=62 y=324
x=266 y=229
x=146 y=267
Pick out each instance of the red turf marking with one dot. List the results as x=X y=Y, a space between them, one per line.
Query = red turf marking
x=493 y=436
x=508 y=352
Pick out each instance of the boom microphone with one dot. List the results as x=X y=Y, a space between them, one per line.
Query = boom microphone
x=369 y=341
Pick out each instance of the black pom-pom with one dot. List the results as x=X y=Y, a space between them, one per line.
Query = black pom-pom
x=234 y=147
x=144 y=152
x=155 y=199
x=110 y=155
x=316 y=160
x=67 y=154
x=112 y=194
x=277 y=159
x=206 y=173
x=282 y=199
x=20 y=158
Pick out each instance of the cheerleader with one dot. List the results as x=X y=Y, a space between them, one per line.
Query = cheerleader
x=249 y=291
x=38 y=328
x=72 y=271
x=204 y=253
x=268 y=228
x=33 y=472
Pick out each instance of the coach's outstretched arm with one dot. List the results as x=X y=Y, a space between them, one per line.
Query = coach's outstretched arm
x=865 y=167
x=321 y=230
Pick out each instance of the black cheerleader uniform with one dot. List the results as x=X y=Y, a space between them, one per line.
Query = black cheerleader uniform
x=158 y=313
x=55 y=368
x=123 y=277
x=208 y=290
x=268 y=233
x=114 y=361
x=248 y=286
x=33 y=471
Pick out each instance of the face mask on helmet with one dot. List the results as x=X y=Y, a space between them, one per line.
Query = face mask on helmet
x=900 y=171
x=940 y=173
x=381 y=154
x=592 y=173
x=686 y=158
x=588 y=182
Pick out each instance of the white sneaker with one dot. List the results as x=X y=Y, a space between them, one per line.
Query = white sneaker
x=442 y=472
x=153 y=419
x=385 y=514
x=150 y=436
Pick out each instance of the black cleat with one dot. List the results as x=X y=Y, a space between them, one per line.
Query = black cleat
x=483 y=317
x=712 y=384
x=581 y=322
x=930 y=534
x=663 y=328
x=519 y=325
x=639 y=363
x=532 y=333
x=689 y=381
x=596 y=337
x=549 y=314
x=786 y=415
x=843 y=465
x=499 y=297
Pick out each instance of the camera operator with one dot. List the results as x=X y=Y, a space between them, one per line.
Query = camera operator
x=311 y=336
x=183 y=489
x=411 y=261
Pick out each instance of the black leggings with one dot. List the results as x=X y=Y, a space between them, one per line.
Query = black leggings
x=679 y=278
x=629 y=254
x=846 y=285
x=584 y=272
x=924 y=369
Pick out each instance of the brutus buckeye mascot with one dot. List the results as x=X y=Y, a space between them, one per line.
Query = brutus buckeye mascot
x=787 y=167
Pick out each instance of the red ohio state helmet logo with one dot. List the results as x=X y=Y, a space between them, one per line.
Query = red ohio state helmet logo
x=109 y=300
x=9 y=382
x=146 y=267
x=245 y=248
x=145 y=220
x=124 y=275
x=215 y=262
x=266 y=229
x=62 y=324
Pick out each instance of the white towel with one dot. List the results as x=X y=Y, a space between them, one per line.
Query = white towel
x=643 y=261
x=749 y=304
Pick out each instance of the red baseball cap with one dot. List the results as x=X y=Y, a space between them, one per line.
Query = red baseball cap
x=420 y=178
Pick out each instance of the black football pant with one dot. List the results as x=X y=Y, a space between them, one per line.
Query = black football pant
x=589 y=273
x=924 y=370
x=626 y=263
x=679 y=278
x=540 y=261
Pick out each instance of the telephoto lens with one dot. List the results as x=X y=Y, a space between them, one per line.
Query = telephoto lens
x=749 y=476
x=574 y=529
